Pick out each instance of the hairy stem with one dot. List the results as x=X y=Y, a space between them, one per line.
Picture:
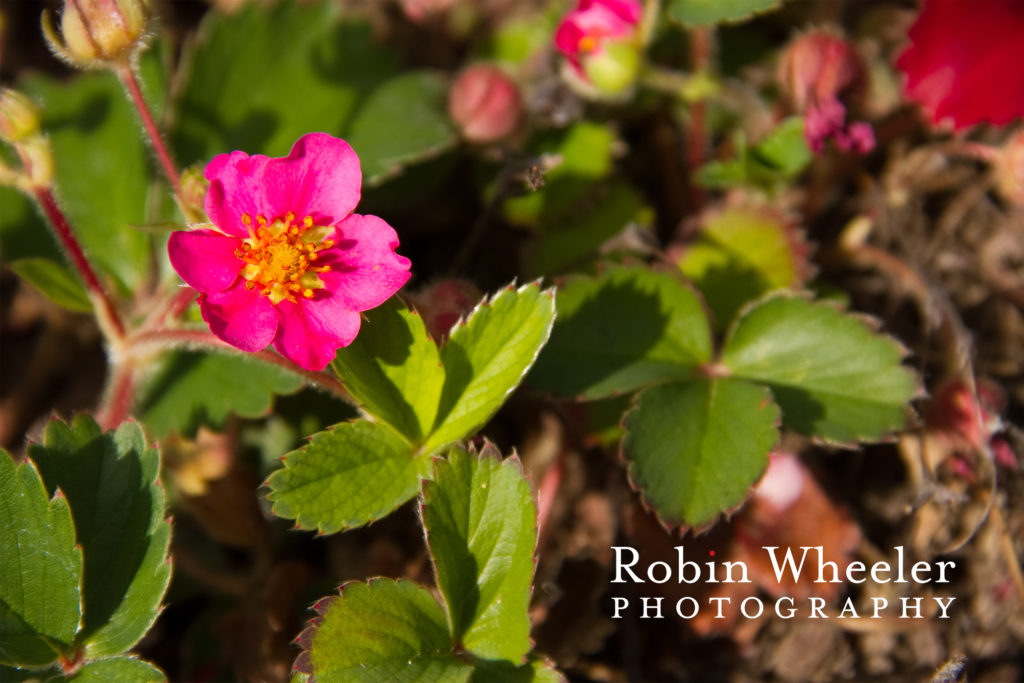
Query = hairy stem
x=120 y=394
x=131 y=83
x=106 y=314
x=141 y=341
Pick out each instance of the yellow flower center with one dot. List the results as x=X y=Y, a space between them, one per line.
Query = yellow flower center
x=280 y=257
x=588 y=43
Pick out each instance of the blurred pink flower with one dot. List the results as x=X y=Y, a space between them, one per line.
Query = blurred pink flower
x=587 y=27
x=964 y=61
x=289 y=263
x=818 y=70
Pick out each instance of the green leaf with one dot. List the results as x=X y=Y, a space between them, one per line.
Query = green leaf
x=117 y=670
x=394 y=370
x=54 y=281
x=785 y=150
x=694 y=449
x=565 y=243
x=741 y=254
x=536 y=670
x=481 y=527
x=832 y=375
x=625 y=329
x=261 y=77
x=383 y=630
x=109 y=479
x=346 y=477
x=190 y=388
x=403 y=121
x=487 y=356
x=103 y=171
x=703 y=12
x=40 y=569
x=775 y=161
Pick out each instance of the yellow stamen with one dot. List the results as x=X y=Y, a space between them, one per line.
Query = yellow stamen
x=278 y=256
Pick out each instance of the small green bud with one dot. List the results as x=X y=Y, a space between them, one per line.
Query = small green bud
x=613 y=69
x=19 y=117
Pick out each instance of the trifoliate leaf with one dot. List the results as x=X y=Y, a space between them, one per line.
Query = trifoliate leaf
x=625 y=329
x=40 y=569
x=831 y=374
x=348 y=476
x=481 y=527
x=695 y=448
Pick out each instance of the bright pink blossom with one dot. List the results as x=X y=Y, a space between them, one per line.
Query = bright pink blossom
x=585 y=29
x=964 y=63
x=289 y=263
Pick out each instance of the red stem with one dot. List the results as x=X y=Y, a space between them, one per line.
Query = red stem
x=119 y=398
x=131 y=83
x=181 y=338
x=67 y=240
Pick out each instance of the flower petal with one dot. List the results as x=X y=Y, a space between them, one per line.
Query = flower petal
x=320 y=177
x=365 y=270
x=243 y=318
x=237 y=187
x=205 y=259
x=312 y=330
x=963 y=63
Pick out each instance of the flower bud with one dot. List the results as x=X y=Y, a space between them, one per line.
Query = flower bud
x=822 y=73
x=193 y=189
x=820 y=65
x=614 y=69
x=19 y=117
x=37 y=158
x=443 y=303
x=98 y=33
x=485 y=104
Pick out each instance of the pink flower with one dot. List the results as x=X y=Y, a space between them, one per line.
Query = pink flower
x=818 y=70
x=289 y=263
x=585 y=29
x=599 y=39
x=964 y=61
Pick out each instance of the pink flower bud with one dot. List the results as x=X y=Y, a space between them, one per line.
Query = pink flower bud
x=98 y=33
x=818 y=72
x=485 y=104
x=820 y=65
x=19 y=117
x=444 y=302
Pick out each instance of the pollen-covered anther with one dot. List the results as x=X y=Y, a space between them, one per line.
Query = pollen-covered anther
x=278 y=256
